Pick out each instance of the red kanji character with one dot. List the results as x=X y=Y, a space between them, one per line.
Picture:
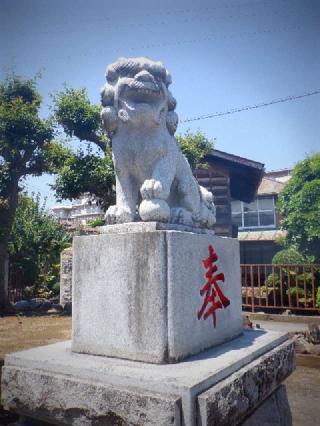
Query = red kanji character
x=211 y=288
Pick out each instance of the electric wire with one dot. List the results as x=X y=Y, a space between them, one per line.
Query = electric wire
x=249 y=107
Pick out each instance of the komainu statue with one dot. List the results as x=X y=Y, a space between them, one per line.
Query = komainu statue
x=154 y=181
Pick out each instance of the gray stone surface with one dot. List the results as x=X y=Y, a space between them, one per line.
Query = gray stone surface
x=70 y=401
x=150 y=227
x=137 y=295
x=140 y=120
x=66 y=276
x=274 y=411
x=119 y=296
x=29 y=378
x=234 y=398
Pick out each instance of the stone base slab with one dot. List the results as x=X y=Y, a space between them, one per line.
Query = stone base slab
x=237 y=396
x=61 y=387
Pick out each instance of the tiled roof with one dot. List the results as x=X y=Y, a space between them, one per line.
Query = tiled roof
x=270 y=186
x=270 y=235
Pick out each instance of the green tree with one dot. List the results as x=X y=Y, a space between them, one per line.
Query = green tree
x=89 y=170
x=35 y=243
x=26 y=148
x=299 y=204
x=195 y=146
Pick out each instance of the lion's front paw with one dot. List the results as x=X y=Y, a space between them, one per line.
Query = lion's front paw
x=117 y=214
x=153 y=188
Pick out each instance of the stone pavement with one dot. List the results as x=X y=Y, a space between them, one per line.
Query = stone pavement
x=289 y=327
x=303 y=388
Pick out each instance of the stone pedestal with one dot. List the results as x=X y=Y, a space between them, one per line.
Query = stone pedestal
x=136 y=293
x=66 y=276
x=226 y=385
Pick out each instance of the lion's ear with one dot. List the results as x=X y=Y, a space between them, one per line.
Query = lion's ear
x=172 y=122
x=107 y=95
x=168 y=78
x=110 y=119
x=111 y=73
x=172 y=103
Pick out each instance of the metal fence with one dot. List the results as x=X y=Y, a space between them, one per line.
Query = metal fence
x=280 y=287
x=16 y=286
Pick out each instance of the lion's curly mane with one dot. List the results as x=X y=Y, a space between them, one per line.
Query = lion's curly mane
x=124 y=67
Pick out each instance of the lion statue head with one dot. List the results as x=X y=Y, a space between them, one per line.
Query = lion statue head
x=137 y=92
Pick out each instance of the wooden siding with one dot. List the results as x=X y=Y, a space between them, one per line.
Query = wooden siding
x=216 y=179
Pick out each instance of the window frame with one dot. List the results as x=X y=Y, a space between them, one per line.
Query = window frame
x=258 y=211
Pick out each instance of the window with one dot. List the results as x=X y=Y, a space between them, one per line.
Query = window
x=260 y=213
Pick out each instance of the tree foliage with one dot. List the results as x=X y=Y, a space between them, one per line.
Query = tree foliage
x=288 y=256
x=195 y=146
x=79 y=117
x=36 y=241
x=87 y=170
x=299 y=204
x=26 y=148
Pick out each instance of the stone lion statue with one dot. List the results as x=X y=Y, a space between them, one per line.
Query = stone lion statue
x=154 y=181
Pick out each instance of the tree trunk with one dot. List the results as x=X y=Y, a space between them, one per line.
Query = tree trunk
x=4 y=265
x=7 y=214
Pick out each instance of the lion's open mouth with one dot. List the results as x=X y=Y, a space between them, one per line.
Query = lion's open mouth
x=138 y=91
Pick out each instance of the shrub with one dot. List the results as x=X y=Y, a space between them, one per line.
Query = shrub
x=96 y=222
x=35 y=244
x=288 y=256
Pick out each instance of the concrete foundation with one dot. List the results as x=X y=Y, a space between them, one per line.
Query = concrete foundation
x=136 y=295
x=58 y=386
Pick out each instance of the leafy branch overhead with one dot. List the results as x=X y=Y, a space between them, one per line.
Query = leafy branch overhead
x=86 y=172
x=78 y=117
x=83 y=171
x=195 y=146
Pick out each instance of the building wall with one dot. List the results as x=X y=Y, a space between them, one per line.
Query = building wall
x=217 y=181
x=258 y=252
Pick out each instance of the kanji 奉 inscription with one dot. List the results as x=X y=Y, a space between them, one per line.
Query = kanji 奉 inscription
x=211 y=289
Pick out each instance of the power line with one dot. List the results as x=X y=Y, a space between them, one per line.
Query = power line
x=215 y=36
x=248 y=107
x=209 y=37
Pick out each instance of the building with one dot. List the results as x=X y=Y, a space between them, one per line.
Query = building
x=229 y=177
x=258 y=222
x=82 y=210
x=245 y=197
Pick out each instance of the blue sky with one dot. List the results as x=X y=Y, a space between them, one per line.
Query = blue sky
x=221 y=54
